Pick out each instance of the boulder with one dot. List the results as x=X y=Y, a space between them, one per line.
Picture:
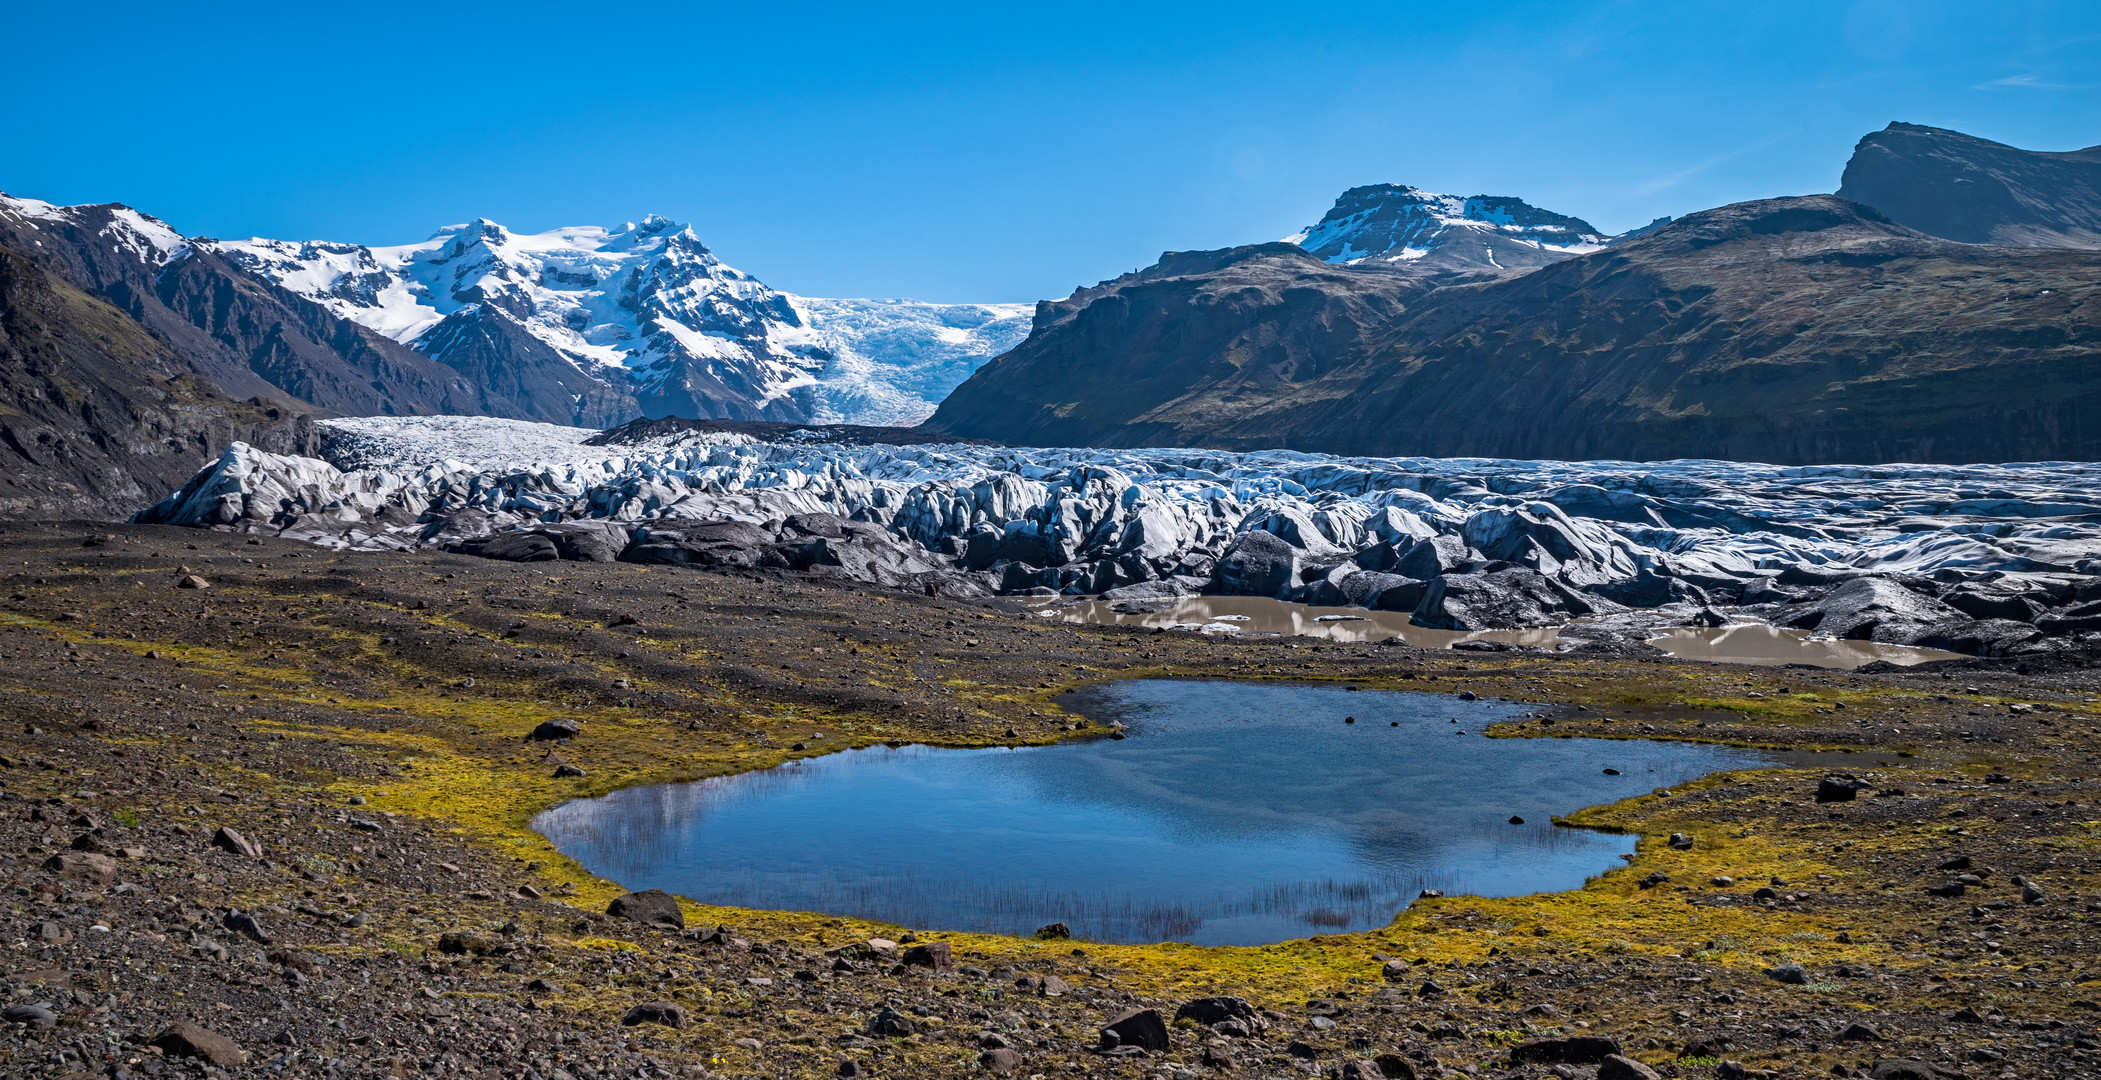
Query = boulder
x=228 y=840
x=662 y=1013
x=1000 y=1060
x=1577 y=1050
x=1840 y=789
x=1615 y=1067
x=1791 y=974
x=83 y=866
x=560 y=728
x=184 y=1039
x=1142 y=1028
x=1211 y=1010
x=933 y=954
x=650 y=907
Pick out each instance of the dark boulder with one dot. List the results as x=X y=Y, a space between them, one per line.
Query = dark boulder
x=559 y=728
x=1211 y=1010
x=1142 y=1028
x=1578 y=1050
x=663 y=1013
x=933 y=954
x=651 y=907
x=1840 y=789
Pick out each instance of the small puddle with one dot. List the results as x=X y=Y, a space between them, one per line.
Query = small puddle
x=1232 y=814
x=1743 y=643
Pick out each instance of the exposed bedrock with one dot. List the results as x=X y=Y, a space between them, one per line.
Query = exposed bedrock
x=1996 y=560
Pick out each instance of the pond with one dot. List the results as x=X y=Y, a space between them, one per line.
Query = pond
x=1739 y=643
x=1231 y=814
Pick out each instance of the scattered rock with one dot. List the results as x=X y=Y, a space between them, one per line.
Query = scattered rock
x=1577 y=1050
x=184 y=1039
x=228 y=840
x=662 y=1013
x=192 y=581
x=1002 y=1060
x=1791 y=974
x=1056 y=931
x=84 y=866
x=1615 y=1067
x=933 y=954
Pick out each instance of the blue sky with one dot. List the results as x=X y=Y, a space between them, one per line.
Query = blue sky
x=992 y=152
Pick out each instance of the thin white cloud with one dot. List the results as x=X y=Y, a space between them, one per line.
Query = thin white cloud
x=1670 y=180
x=2027 y=82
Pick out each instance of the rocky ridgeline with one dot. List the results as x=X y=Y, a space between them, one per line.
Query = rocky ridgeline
x=1996 y=560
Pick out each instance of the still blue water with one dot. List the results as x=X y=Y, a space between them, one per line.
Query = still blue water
x=1234 y=813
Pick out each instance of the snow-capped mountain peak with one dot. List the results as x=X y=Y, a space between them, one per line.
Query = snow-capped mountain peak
x=649 y=305
x=1395 y=223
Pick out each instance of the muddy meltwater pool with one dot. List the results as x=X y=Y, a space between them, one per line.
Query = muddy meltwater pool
x=1232 y=814
x=1739 y=643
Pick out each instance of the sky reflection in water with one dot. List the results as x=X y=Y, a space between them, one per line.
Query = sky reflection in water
x=1236 y=813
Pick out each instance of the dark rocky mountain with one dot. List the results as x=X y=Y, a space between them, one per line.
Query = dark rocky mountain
x=196 y=351
x=99 y=416
x=1960 y=187
x=1799 y=330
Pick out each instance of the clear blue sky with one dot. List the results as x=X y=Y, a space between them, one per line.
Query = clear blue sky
x=992 y=151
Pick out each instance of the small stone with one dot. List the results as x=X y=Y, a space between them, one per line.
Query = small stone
x=663 y=1013
x=192 y=581
x=849 y=1069
x=228 y=840
x=1056 y=931
x=1791 y=974
x=529 y=892
x=1208 y=1011
x=31 y=1015
x=184 y=1039
x=1615 y=1067
x=1002 y=1060
x=1681 y=842
x=50 y=933
x=1721 y=881
x=244 y=924
x=541 y=986
x=1395 y=971
x=888 y=1023
x=1859 y=1033
x=465 y=943
x=564 y=772
x=933 y=954
x=752 y=1045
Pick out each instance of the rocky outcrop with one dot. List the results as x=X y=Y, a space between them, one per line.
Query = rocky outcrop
x=1960 y=187
x=1721 y=335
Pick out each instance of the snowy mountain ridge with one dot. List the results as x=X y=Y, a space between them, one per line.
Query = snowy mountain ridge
x=648 y=303
x=1398 y=224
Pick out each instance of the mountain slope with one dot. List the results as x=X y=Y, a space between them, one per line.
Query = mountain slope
x=1394 y=223
x=98 y=416
x=1960 y=187
x=1798 y=330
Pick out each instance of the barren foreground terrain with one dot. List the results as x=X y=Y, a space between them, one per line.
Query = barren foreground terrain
x=263 y=812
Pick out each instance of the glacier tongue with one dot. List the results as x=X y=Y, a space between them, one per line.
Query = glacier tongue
x=1461 y=543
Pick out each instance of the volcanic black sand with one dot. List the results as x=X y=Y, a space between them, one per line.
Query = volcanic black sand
x=288 y=808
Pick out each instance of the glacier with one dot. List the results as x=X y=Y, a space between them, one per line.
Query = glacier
x=1992 y=557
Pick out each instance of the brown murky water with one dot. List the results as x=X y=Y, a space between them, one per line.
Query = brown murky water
x=1744 y=643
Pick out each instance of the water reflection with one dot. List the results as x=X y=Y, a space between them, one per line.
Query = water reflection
x=1233 y=814
x=1742 y=643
